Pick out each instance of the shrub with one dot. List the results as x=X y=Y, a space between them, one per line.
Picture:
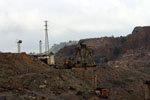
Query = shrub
x=116 y=51
x=129 y=80
x=123 y=39
x=71 y=51
x=118 y=83
x=105 y=60
x=79 y=93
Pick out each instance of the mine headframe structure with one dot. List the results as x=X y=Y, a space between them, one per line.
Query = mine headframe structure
x=83 y=57
x=83 y=54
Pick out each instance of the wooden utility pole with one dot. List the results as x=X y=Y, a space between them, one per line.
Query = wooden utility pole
x=94 y=79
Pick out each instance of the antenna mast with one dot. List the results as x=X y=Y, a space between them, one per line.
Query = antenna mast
x=47 y=51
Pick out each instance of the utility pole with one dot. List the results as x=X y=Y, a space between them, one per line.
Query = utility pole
x=19 y=47
x=94 y=79
x=47 y=51
x=40 y=47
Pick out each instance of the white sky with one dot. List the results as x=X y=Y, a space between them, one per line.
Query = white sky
x=68 y=20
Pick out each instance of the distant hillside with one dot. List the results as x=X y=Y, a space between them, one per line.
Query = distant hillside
x=57 y=47
x=110 y=48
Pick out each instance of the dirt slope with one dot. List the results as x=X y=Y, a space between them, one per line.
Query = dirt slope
x=23 y=77
x=123 y=84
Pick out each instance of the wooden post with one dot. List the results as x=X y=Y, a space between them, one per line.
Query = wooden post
x=94 y=79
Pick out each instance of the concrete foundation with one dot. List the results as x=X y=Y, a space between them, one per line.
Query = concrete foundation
x=51 y=60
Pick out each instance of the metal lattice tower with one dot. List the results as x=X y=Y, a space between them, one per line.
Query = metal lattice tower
x=47 y=51
x=40 y=47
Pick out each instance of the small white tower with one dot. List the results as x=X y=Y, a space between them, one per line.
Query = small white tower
x=40 y=47
x=19 y=46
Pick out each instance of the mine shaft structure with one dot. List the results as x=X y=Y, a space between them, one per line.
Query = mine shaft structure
x=83 y=54
x=83 y=57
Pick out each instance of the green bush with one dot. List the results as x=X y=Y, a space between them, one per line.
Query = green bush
x=72 y=88
x=129 y=80
x=105 y=60
x=123 y=39
x=79 y=93
x=118 y=83
x=116 y=51
x=71 y=51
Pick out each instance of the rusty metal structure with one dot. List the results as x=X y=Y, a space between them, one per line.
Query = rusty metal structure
x=83 y=57
x=102 y=92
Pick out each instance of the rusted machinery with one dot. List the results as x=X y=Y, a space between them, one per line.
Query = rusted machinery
x=83 y=57
x=101 y=92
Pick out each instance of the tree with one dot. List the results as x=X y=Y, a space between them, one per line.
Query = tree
x=116 y=51
x=51 y=53
x=123 y=39
x=32 y=53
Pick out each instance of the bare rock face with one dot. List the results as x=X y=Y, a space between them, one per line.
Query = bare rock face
x=140 y=38
x=103 y=46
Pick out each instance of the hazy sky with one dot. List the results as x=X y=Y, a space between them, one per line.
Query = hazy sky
x=68 y=20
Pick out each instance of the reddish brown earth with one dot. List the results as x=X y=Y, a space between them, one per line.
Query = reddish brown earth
x=23 y=77
x=104 y=47
x=44 y=83
x=140 y=38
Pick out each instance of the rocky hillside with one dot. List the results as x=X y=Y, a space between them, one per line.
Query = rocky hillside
x=56 y=47
x=40 y=82
x=23 y=77
x=124 y=63
x=137 y=59
x=17 y=64
x=102 y=46
x=140 y=38
x=110 y=48
x=123 y=84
